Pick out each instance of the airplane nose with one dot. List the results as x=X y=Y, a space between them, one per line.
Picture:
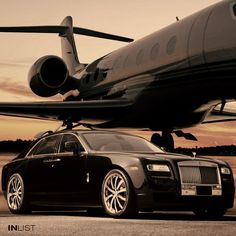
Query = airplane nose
x=220 y=33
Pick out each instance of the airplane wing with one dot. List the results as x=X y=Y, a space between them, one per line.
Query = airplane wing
x=99 y=110
x=222 y=113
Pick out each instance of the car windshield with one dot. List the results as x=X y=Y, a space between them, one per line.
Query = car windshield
x=119 y=143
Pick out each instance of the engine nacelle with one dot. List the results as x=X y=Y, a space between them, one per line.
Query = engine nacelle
x=47 y=76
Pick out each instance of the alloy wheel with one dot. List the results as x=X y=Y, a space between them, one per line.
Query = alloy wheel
x=15 y=192
x=115 y=193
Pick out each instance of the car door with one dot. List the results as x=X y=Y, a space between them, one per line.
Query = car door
x=40 y=169
x=70 y=172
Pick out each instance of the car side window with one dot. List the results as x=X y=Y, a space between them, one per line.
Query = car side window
x=47 y=145
x=69 y=138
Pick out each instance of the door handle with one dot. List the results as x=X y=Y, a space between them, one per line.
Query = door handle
x=51 y=160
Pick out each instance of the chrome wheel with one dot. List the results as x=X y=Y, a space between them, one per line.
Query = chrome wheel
x=15 y=192
x=116 y=194
x=16 y=195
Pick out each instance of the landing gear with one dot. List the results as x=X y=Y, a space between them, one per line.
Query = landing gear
x=168 y=141
x=164 y=141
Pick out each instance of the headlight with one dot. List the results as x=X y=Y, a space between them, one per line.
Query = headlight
x=225 y=170
x=158 y=168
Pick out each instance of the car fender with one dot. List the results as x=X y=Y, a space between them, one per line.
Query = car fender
x=133 y=168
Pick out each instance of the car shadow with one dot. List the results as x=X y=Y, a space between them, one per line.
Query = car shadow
x=175 y=216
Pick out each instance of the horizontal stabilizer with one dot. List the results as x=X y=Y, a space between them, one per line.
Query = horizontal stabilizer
x=61 y=30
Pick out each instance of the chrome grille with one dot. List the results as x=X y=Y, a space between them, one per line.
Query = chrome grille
x=201 y=173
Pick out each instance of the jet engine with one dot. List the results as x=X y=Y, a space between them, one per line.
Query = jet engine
x=47 y=76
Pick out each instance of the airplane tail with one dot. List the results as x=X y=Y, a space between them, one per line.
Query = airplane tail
x=68 y=47
x=66 y=31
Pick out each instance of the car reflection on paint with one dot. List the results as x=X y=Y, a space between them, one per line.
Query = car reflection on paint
x=114 y=172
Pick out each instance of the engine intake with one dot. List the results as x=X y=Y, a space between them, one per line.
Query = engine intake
x=47 y=76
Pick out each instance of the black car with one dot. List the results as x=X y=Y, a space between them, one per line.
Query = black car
x=116 y=172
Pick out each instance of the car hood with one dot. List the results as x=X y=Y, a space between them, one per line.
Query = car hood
x=173 y=157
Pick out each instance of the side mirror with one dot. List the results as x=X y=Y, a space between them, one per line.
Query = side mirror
x=72 y=146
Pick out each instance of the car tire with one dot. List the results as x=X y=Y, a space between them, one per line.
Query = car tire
x=210 y=213
x=216 y=213
x=16 y=195
x=118 y=196
x=95 y=212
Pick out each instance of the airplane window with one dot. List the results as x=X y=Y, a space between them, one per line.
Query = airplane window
x=171 y=45
x=154 y=51
x=139 y=58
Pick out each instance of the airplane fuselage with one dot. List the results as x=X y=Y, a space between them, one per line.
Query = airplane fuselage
x=175 y=75
x=168 y=80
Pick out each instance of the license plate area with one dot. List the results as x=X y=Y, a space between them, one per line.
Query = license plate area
x=204 y=190
x=201 y=190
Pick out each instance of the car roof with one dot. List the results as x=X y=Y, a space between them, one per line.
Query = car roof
x=81 y=132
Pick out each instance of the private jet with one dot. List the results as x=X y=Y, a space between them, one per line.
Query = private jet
x=177 y=77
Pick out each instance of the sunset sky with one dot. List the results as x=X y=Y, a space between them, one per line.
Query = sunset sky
x=132 y=18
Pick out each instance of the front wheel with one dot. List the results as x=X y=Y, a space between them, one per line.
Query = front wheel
x=118 y=196
x=16 y=195
x=210 y=213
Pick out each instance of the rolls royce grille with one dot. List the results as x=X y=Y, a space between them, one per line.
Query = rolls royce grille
x=199 y=175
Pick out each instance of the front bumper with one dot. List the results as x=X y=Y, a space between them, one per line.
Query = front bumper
x=173 y=200
x=171 y=193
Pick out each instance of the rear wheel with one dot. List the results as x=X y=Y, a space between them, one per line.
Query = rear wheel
x=16 y=195
x=118 y=196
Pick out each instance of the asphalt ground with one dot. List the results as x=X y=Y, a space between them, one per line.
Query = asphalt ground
x=80 y=223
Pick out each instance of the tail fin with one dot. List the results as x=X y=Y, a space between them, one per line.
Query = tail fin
x=66 y=31
x=68 y=47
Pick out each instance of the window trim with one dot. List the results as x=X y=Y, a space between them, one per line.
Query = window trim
x=66 y=153
x=45 y=154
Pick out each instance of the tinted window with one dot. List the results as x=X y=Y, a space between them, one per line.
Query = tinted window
x=119 y=143
x=46 y=146
x=69 y=138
